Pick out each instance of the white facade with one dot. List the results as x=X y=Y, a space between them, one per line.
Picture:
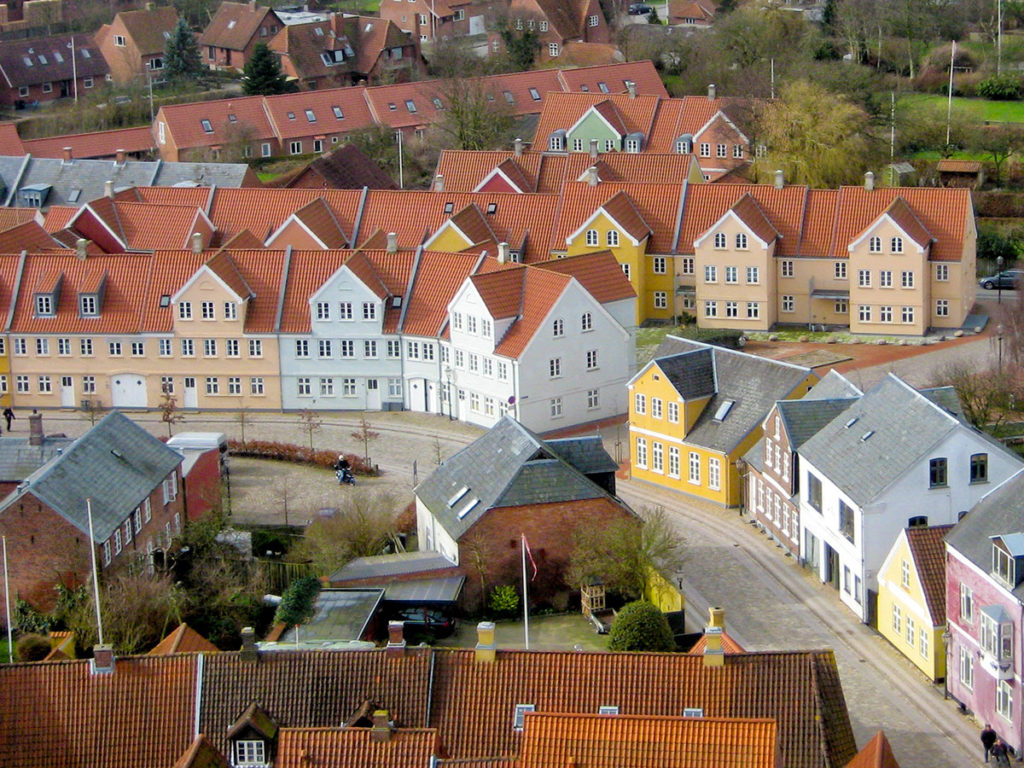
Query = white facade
x=432 y=536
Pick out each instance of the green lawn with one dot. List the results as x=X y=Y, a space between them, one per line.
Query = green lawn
x=3 y=649
x=978 y=109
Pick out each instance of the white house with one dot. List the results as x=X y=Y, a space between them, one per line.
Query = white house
x=895 y=458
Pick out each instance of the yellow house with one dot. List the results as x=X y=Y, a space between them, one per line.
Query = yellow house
x=912 y=597
x=695 y=409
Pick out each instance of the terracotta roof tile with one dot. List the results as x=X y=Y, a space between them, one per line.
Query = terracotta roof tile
x=168 y=272
x=222 y=265
x=185 y=122
x=148 y=227
x=541 y=288
x=29 y=236
x=262 y=272
x=39 y=727
x=303 y=689
x=195 y=197
x=599 y=273
x=553 y=740
x=655 y=206
x=58 y=216
x=202 y=754
x=751 y=214
x=562 y=110
x=262 y=210
x=906 y=220
x=729 y=645
x=470 y=222
x=819 y=222
x=438 y=278
x=10 y=140
x=288 y=112
x=318 y=218
x=474 y=702
x=12 y=217
x=244 y=241
x=706 y=203
x=355 y=748
x=643 y=73
x=45 y=66
x=183 y=639
x=233 y=25
x=97 y=144
x=307 y=272
x=928 y=548
x=877 y=753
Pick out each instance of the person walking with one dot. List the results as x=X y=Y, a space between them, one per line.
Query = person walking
x=988 y=739
x=1001 y=753
x=8 y=417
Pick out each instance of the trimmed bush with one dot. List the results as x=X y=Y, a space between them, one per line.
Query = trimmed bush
x=268 y=449
x=641 y=626
x=1001 y=87
x=504 y=600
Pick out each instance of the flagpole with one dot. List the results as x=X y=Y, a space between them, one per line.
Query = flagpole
x=95 y=576
x=7 y=601
x=526 y=598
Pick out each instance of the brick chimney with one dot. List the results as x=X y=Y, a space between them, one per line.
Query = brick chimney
x=102 y=660
x=486 y=650
x=67 y=158
x=249 y=652
x=518 y=145
x=35 y=428
x=381 y=730
x=80 y=248
x=392 y=242
x=712 y=91
x=593 y=149
x=119 y=157
x=197 y=242
x=396 y=640
x=714 y=656
x=780 y=179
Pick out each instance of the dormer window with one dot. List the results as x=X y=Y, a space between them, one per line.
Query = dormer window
x=250 y=752
x=633 y=145
x=44 y=305
x=1003 y=565
x=87 y=305
x=519 y=718
x=556 y=141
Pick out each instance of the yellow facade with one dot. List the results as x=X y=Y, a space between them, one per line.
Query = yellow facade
x=448 y=239
x=664 y=594
x=901 y=599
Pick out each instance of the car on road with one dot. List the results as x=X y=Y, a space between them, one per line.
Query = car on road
x=425 y=623
x=639 y=9
x=1007 y=279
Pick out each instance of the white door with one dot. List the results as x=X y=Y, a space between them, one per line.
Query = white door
x=67 y=392
x=372 y=395
x=432 y=397
x=476 y=25
x=127 y=390
x=191 y=395
x=418 y=396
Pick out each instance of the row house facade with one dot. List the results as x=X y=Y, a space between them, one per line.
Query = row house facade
x=323 y=330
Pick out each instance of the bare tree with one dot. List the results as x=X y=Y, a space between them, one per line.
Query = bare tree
x=365 y=434
x=92 y=409
x=169 y=413
x=243 y=419
x=310 y=423
x=986 y=396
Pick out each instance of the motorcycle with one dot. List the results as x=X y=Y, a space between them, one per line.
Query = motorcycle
x=345 y=477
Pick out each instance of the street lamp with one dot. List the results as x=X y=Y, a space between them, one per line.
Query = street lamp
x=999 y=342
x=999 y=281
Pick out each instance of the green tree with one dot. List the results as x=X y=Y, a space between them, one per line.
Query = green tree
x=183 y=61
x=262 y=75
x=521 y=44
x=641 y=626
x=815 y=137
x=998 y=142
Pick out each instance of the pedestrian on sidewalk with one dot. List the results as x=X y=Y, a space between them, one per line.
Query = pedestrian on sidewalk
x=8 y=417
x=1001 y=753
x=988 y=739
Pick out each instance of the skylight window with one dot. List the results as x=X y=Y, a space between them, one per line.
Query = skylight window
x=85 y=53
x=57 y=56
x=509 y=97
x=867 y=435
x=291 y=115
x=518 y=719
x=437 y=103
x=232 y=119
x=535 y=94
x=391 y=106
x=693 y=712
x=319 y=32
x=723 y=410
x=73 y=195
x=585 y=88
x=311 y=115
x=449 y=207
x=410 y=105
x=468 y=507
x=42 y=59
x=608 y=710
x=492 y=207
x=850 y=423
x=207 y=126
x=27 y=60
x=165 y=300
x=338 y=113
x=231 y=24
x=458 y=495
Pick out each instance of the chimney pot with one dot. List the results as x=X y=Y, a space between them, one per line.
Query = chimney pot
x=869 y=181
x=381 y=730
x=35 y=429
x=592 y=177
x=593 y=149
x=780 y=179
x=249 y=644
x=503 y=253
x=197 y=242
x=108 y=188
x=67 y=158
x=716 y=617
x=102 y=660
x=396 y=639
x=631 y=89
x=712 y=91
x=392 y=242
x=80 y=248
x=486 y=651
x=119 y=157
x=439 y=183
x=518 y=144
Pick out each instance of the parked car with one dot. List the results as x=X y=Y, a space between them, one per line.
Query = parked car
x=427 y=623
x=639 y=9
x=1009 y=278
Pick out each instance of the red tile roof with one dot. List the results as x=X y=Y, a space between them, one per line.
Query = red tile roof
x=183 y=639
x=563 y=110
x=29 y=236
x=599 y=273
x=355 y=748
x=289 y=120
x=12 y=217
x=877 y=753
x=706 y=203
x=202 y=754
x=234 y=25
x=186 y=127
x=168 y=272
x=96 y=144
x=61 y=713
x=307 y=273
x=10 y=140
x=750 y=213
x=555 y=740
x=729 y=645
x=438 y=278
x=656 y=208
x=643 y=73
x=928 y=548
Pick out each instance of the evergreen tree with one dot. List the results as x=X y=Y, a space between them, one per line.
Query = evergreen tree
x=262 y=75
x=183 y=61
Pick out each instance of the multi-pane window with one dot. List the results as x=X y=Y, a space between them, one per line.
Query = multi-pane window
x=370 y=349
x=923 y=647
x=966 y=604
x=167 y=385
x=787 y=268
x=327 y=387
x=302 y=347
x=875 y=245
x=753 y=275
x=555 y=367
x=660 y=265
x=369 y=310
x=209 y=347
x=586 y=322
x=230 y=310
x=966 y=668
x=656 y=407
x=394 y=387
x=741 y=241
x=303 y=387
x=593 y=398
x=1004 y=700
x=212 y=385
x=558 y=328
x=942 y=307
x=234 y=385
x=937 y=473
x=885 y=278
x=705 y=149
x=814 y=491
x=592 y=237
x=710 y=309
x=715 y=474
x=556 y=407
x=864 y=313
x=21 y=382
x=907 y=278
x=44 y=385
x=753 y=310
x=710 y=273
x=731 y=309
x=979 y=468
x=255 y=347
x=20 y=347
x=457 y=321
x=231 y=347
x=896 y=245
x=325 y=348
x=847 y=520
x=114 y=347
x=412 y=350
x=673 y=461
x=165 y=347
x=864 y=278
x=942 y=272
x=474 y=363
x=611 y=238
x=256 y=385
x=897 y=619
x=885 y=314
x=323 y=310
x=138 y=349
x=688 y=265
x=207 y=310
x=639 y=403
x=347 y=348
x=839 y=270
x=661 y=300
x=250 y=752
x=87 y=305
x=911 y=633
x=657 y=457
x=345 y=310
x=673 y=413
x=42 y=347
x=591 y=359
x=907 y=314
x=694 y=476
x=184 y=310
x=89 y=385
x=788 y=303
x=394 y=349
x=471 y=324
x=641 y=452
x=731 y=275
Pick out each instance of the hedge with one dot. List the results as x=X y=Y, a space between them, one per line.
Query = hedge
x=268 y=449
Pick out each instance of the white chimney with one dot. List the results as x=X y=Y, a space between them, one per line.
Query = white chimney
x=80 y=245
x=780 y=179
x=518 y=144
x=119 y=157
x=503 y=253
x=439 y=183
x=108 y=188
x=869 y=181
x=593 y=149
x=631 y=89
x=197 y=242
x=392 y=242
x=592 y=178
x=712 y=91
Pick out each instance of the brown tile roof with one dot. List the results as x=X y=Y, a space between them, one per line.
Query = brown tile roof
x=474 y=701
x=563 y=110
x=262 y=272
x=12 y=217
x=345 y=168
x=58 y=216
x=97 y=144
x=168 y=272
x=147 y=27
x=50 y=60
x=287 y=112
x=355 y=748
x=535 y=292
x=599 y=273
x=185 y=121
x=928 y=548
x=877 y=753
x=183 y=639
x=222 y=33
x=59 y=714
x=29 y=236
x=317 y=217
x=202 y=754
x=555 y=740
x=905 y=219
x=304 y=689
x=471 y=223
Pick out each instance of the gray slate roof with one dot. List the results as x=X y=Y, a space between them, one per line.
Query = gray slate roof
x=833 y=387
x=116 y=464
x=587 y=454
x=507 y=466
x=804 y=418
x=384 y=566
x=903 y=426
x=692 y=374
x=1000 y=512
x=753 y=383
x=18 y=459
x=83 y=180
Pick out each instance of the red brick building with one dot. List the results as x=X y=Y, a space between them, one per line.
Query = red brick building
x=44 y=69
x=234 y=31
x=130 y=480
x=135 y=43
x=476 y=507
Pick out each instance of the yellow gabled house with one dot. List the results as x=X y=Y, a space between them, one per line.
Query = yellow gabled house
x=695 y=409
x=912 y=597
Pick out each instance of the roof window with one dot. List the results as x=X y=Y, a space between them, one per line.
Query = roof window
x=492 y=208
x=311 y=115
x=608 y=709
x=723 y=410
x=42 y=59
x=59 y=59
x=207 y=126
x=468 y=507
x=693 y=712
x=85 y=53
x=867 y=435
x=520 y=715
x=603 y=86
x=437 y=103
x=232 y=118
x=338 y=113
x=410 y=105
x=27 y=60
x=449 y=207
x=535 y=94
x=73 y=195
x=509 y=97
x=391 y=106
x=291 y=115
x=585 y=88
x=231 y=24
x=165 y=300
x=458 y=495
x=850 y=423
x=318 y=31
